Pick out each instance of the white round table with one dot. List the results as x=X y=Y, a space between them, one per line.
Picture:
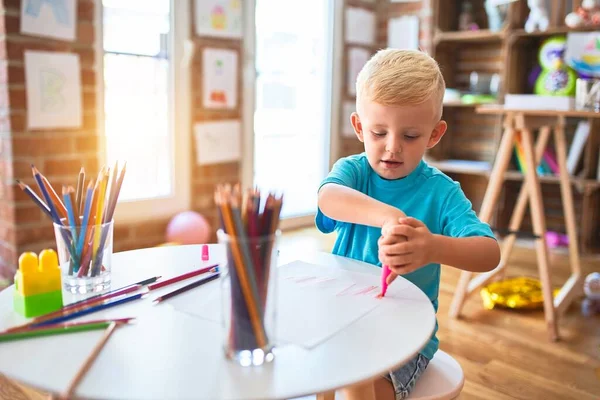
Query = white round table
x=167 y=354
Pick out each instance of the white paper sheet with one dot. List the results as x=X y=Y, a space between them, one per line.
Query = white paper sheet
x=218 y=141
x=403 y=32
x=220 y=78
x=347 y=110
x=218 y=18
x=357 y=58
x=314 y=302
x=49 y=18
x=53 y=85
x=360 y=26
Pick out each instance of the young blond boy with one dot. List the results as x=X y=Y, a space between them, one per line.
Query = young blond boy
x=389 y=207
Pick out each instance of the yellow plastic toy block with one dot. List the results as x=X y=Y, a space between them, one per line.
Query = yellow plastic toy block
x=38 y=288
x=38 y=277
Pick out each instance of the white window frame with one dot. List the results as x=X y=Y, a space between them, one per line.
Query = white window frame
x=249 y=93
x=180 y=200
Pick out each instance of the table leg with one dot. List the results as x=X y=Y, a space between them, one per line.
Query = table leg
x=487 y=206
x=539 y=226
x=361 y=391
x=326 y=396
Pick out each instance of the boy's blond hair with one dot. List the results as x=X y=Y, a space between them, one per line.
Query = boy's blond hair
x=395 y=77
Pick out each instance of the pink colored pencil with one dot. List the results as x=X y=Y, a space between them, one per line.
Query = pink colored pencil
x=182 y=277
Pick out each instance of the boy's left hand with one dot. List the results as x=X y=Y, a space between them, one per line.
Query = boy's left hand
x=408 y=256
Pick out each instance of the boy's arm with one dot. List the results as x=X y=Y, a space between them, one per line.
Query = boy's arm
x=345 y=204
x=476 y=254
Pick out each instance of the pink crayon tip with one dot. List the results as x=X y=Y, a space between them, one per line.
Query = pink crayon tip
x=385 y=272
x=205 y=252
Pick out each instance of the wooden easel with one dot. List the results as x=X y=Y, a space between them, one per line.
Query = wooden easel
x=524 y=121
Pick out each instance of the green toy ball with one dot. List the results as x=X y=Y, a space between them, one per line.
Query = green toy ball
x=556 y=78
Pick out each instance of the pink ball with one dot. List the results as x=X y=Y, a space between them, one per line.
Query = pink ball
x=188 y=227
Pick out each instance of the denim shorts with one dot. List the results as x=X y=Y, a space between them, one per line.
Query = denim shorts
x=405 y=377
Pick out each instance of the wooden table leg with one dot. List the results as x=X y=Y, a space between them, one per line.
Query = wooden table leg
x=569 y=290
x=326 y=396
x=487 y=206
x=361 y=391
x=539 y=226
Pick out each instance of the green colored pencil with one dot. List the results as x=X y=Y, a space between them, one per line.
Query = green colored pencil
x=6 y=337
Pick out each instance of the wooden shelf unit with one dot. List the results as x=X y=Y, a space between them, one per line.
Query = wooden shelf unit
x=474 y=131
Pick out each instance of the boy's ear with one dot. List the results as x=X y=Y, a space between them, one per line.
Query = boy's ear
x=437 y=133
x=355 y=120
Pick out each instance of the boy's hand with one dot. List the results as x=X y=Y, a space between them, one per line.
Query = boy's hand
x=407 y=255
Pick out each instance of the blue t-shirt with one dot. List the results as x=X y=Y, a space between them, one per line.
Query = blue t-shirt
x=426 y=194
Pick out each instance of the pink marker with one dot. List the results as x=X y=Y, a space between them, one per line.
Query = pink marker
x=385 y=272
x=205 y=252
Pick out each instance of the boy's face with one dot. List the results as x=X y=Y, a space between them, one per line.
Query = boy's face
x=396 y=137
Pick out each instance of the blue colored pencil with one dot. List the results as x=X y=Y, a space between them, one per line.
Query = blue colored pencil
x=36 y=199
x=90 y=310
x=86 y=216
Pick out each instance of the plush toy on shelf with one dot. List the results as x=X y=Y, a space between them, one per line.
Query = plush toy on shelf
x=591 y=288
x=538 y=16
x=588 y=14
x=556 y=77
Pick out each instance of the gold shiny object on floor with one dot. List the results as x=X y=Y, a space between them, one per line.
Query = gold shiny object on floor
x=515 y=293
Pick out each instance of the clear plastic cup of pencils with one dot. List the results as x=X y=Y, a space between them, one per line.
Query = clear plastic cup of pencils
x=85 y=255
x=249 y=293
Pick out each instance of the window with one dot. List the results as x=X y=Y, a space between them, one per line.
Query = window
x=145 y=103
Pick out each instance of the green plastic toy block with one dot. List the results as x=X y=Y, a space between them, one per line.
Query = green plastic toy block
x=37 y=304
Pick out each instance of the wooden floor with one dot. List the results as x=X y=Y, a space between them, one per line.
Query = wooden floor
x=504 y=354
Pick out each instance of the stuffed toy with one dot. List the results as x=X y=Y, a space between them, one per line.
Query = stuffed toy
x=538 y=16
x=588 y=14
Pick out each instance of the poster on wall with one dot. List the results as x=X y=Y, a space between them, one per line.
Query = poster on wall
x=220 y=78
x=218 y=18
x=49 y=18
x=357 y=58
x=53 y=86
x=403 y=32
x=348 y=108
x=218 y=141
x=360 y=26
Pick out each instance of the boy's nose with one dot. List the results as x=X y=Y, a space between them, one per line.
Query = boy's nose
x=393 y=146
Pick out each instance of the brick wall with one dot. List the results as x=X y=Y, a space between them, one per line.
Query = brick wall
x=60 y=153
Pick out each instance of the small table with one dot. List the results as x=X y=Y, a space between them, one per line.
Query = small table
x=169 y=354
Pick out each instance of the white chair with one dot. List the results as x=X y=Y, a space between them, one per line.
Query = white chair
x=443 y=379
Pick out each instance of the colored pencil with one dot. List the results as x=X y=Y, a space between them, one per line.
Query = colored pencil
x=36 y=199
x=68 y=394
x=182 y=277
x=79 y=192
x=185 y=288
x=104 y=295
x=54 y=330
x=52 y=196
x=90 y=310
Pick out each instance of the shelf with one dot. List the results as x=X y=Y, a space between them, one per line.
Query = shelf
x=500 y=109
x=482 y=168
x=521 y=33
x=460 y=104
x=482 y=35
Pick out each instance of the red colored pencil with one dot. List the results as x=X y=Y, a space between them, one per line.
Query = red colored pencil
x=182 y=277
